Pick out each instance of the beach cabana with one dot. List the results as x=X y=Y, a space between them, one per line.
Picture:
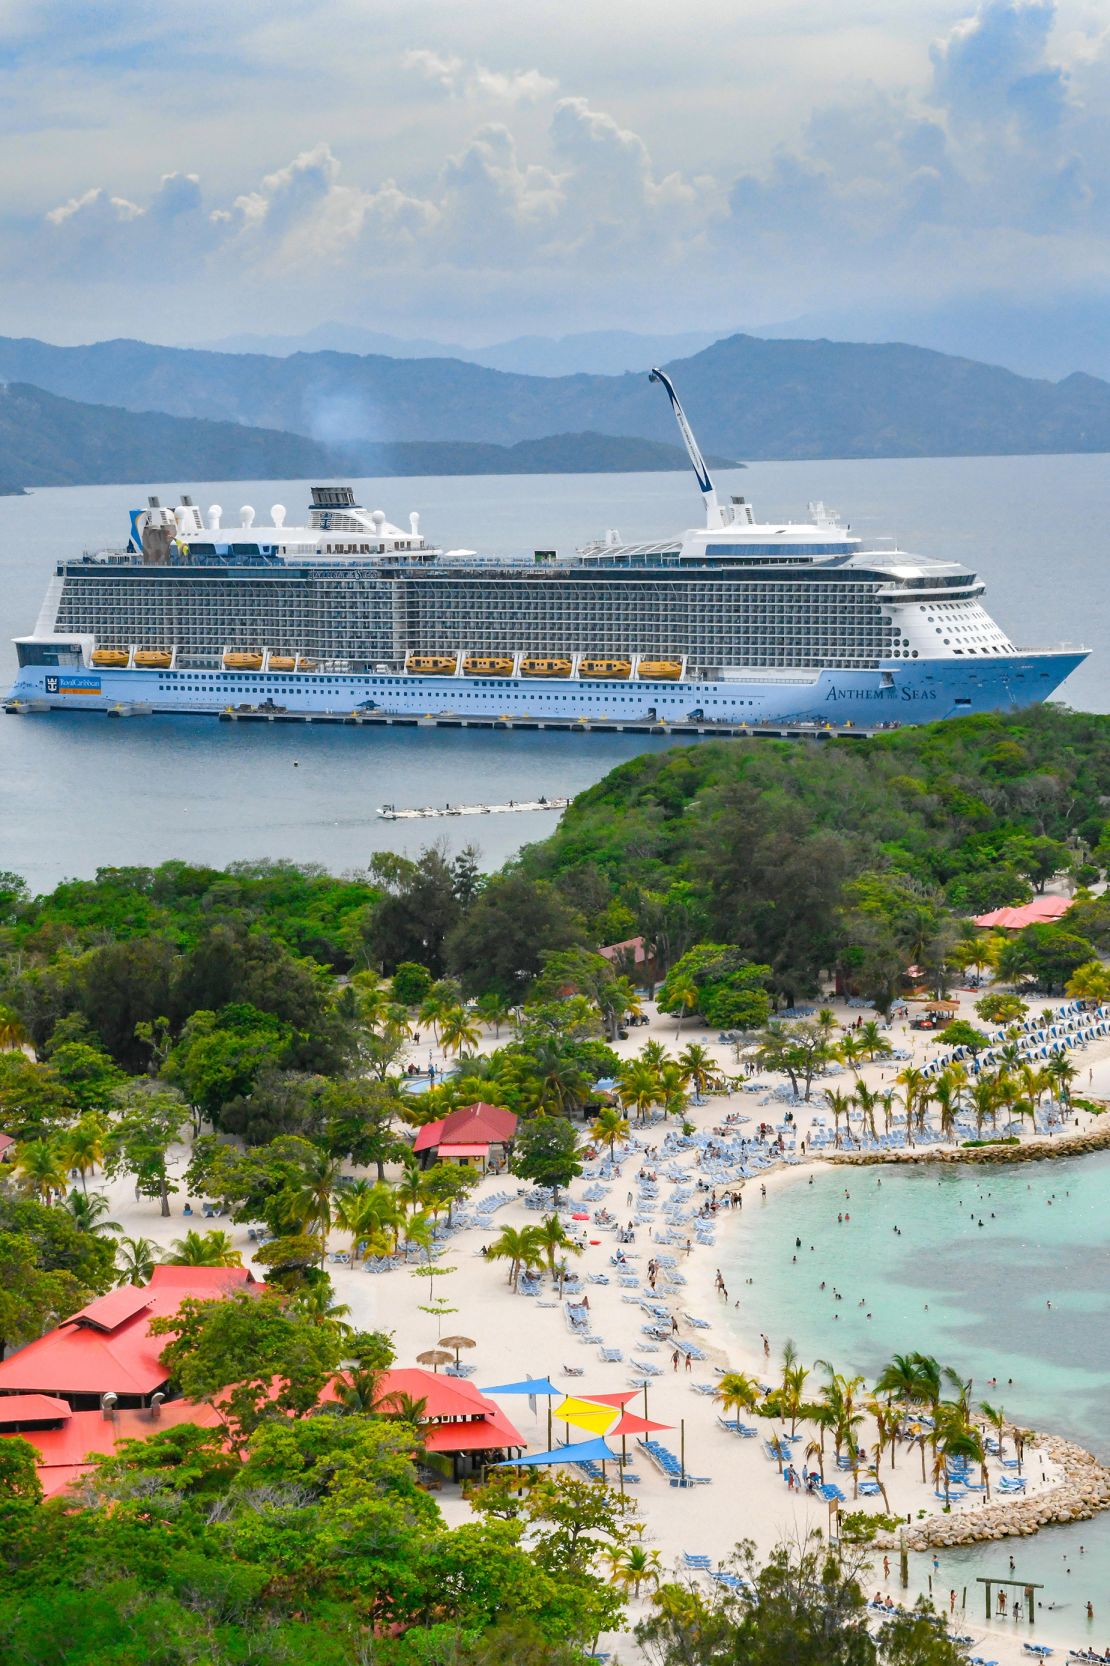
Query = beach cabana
x=480 y=1134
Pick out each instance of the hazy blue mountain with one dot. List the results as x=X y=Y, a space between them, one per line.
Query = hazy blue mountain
x=46 y=440
x=558 y=454
x=1050 y=338
x=745 y=396
x=600 y=352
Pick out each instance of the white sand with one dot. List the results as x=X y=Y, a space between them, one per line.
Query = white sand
x=519 y=1336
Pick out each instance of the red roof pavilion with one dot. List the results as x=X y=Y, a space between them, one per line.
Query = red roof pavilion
x=468 y=1132
x=107 y=1347
x=1034 y=913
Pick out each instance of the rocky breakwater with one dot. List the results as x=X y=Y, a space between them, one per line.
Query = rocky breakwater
x=1029 y=1151
x=1081 y=1492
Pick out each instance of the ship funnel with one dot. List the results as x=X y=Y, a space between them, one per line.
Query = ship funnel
x=246 y=516
x=214 y=518
x=154 y=502
x=277 y=514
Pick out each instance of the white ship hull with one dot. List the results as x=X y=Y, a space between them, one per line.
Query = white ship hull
x=896 y=693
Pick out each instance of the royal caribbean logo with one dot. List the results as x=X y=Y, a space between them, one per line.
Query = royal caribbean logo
x=66 y=684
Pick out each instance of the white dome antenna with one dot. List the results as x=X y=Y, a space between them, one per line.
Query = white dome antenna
x=214 y=514
x=246 y=516
x=277 y=514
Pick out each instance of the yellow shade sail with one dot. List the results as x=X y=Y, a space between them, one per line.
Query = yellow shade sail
x=586 y=1414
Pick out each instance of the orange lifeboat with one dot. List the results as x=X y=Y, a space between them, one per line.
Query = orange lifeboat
x=487 y=665
x=432 y=665
x=153 y=659
x=661 y=670
x=115 y=657
x=249 y=661
x=618 y=669
x=282 y=662
x=534 y=667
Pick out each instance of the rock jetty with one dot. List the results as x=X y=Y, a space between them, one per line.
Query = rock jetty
x=1029 y=1151
x=1082 y=1491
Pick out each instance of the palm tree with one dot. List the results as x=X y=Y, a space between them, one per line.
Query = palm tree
x=871 y=1038
x=84 y=1144
x=551 y=1235
x=493 y=1010
x=945 y=1096
x=867 y=1099
x=457 y=1030
x=437 y=1003
x=89 y=1209
x=608 y=1127
x=409 y=1190
x=736 y=1391
x=41 y=1167
x=672 y=1089
x=698 y=1066
x=520 y=1247
x=684 y=993
x=12 y=1032
x=849 y=1050
x=915 y=1088
x=135 y=1258
x=631 y=1565
x=317 y=1304
x=655 y=1054
x=1060 y=1068
x=371 y=1216
x=996 y=1417
x=840 y=1104
x=638 y=1085
x=204 y=1249
x=308 y=1206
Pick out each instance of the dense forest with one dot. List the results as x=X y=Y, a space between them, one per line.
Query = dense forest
x=263 y=1015
x=856 y=857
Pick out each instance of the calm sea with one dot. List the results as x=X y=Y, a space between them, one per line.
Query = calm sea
x=81 y=791
x=977 y=1296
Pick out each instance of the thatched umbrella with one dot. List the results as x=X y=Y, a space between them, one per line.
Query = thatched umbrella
x=457 y=1342
x=435 y=1357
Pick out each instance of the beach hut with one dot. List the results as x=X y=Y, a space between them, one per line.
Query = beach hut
x=481 y=1134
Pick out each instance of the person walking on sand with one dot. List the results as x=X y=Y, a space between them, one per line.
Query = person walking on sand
x=674 y=1360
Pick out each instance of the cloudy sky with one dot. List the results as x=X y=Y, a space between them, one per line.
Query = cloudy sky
x=471 y=169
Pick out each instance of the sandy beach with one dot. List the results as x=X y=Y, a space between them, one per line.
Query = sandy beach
x=744 y=1496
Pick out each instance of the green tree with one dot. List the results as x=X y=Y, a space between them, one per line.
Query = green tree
x=411 y=983
x=545 y=1151
x=608 y=1127
x=729 y=990
x=204 y=1249
x=149 y=1122
x=251 y=1355
x=520 y=1247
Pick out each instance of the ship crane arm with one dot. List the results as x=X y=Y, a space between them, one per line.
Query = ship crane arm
x=708 y=491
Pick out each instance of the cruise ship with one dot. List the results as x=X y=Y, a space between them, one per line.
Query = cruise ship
x=739 y=621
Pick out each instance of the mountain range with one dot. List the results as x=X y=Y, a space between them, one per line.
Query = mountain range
x=600 y=352
x=130 y=410
x=47 y=440
x=745 y=397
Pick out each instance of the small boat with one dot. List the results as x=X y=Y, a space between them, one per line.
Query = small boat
x=235 y=661
x=616 y=668
x=115 y=657
x=153 y=659
x=432 y=665
x=533 y=667
x=487 y=665
x=661 y=670
x=282 y=662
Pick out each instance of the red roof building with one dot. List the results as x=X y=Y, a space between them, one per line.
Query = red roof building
x=1035 y=913
x=632 y=957
x=457 y=1419
x=107 y=1347
x=474 y=1133
x=66 y=1440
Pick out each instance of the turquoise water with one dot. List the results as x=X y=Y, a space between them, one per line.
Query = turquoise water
x=975 y=1296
